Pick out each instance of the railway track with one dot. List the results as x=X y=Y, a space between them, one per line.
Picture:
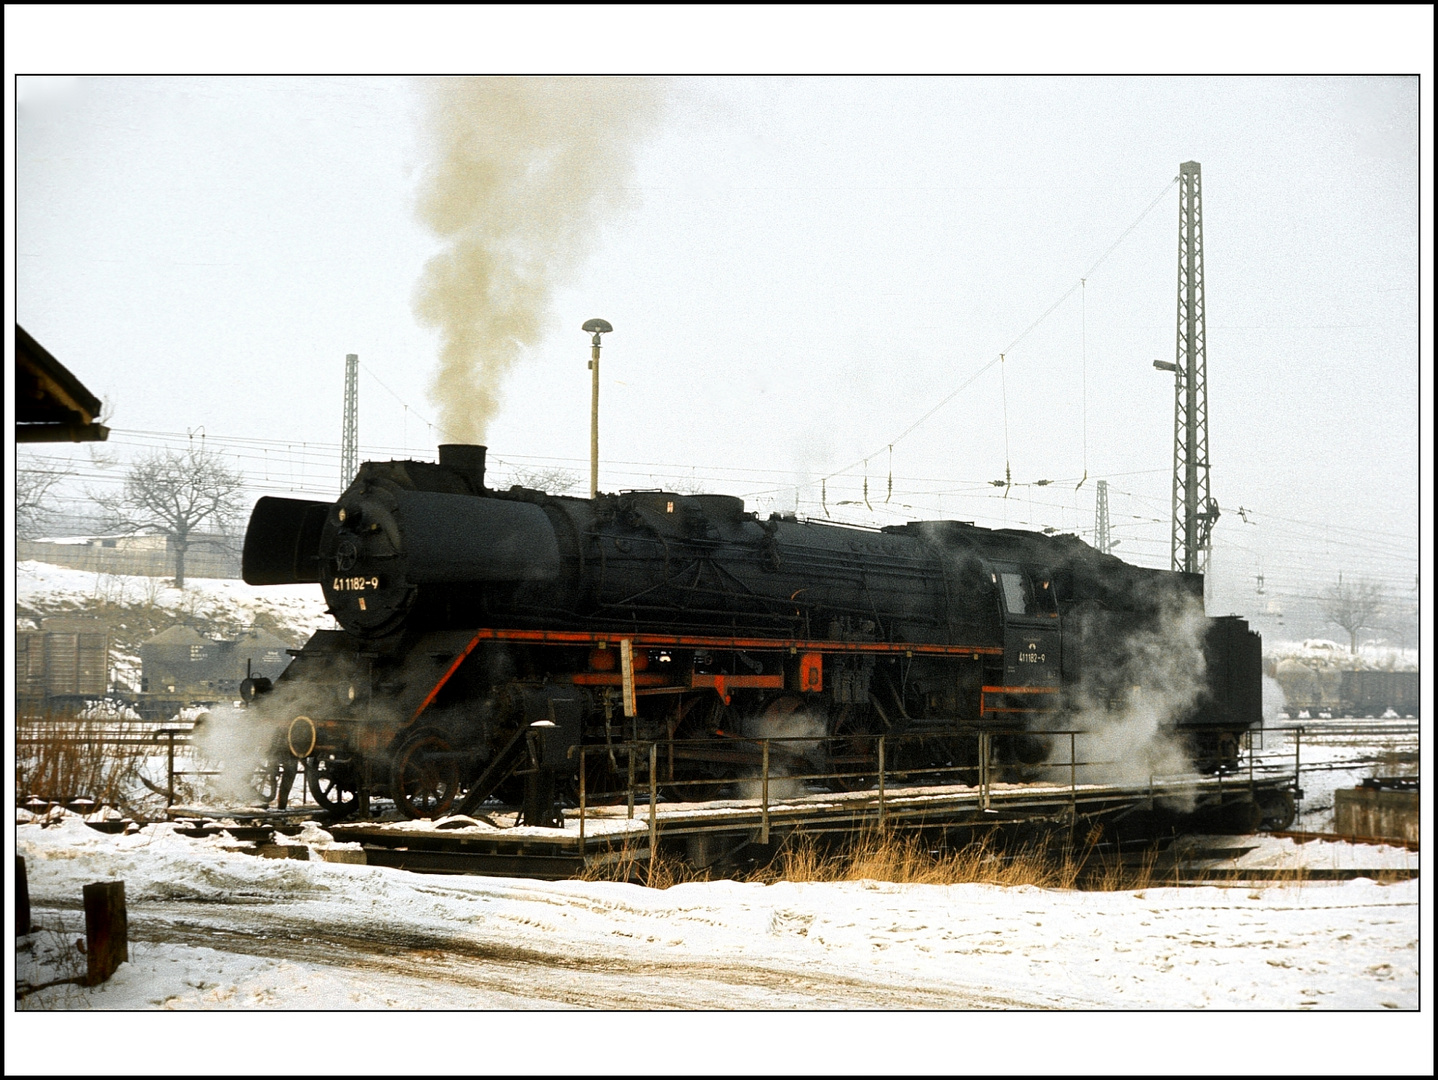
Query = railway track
x=705 y=832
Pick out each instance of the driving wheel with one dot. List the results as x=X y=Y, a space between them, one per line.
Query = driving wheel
x=334 y=782
x=424 y=778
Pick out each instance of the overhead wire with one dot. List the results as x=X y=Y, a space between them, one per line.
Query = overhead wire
x=428 y=423
x=1026 y=331
x=303 y=461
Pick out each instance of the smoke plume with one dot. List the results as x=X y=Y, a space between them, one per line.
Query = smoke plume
x=521 y=174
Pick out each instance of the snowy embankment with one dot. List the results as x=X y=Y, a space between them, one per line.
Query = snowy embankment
x=213 y=928
x=41 y=585
x=1320 y=652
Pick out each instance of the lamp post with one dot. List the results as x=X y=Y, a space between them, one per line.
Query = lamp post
x=595 y=327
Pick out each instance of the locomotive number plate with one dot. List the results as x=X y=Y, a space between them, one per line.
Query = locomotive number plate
x=354 y=584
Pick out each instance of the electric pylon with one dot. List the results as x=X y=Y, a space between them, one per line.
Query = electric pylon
x=1101 y=539
x=349 y=444
x=1194 y=509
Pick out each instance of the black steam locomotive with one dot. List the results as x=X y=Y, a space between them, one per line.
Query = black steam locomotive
x=487 y=634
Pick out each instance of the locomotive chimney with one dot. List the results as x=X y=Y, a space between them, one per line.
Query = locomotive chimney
x=465 y=459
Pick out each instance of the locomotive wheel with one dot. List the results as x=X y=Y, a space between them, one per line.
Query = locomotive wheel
x=334 y=784
x=424 y=778
x=264 y=782
x=688 y=783
x=695 y=790
x=850 y=751
x=1278 y=810
x=1019 y=756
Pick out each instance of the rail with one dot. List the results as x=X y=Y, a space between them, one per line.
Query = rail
x=879 y=773
x=880 y=777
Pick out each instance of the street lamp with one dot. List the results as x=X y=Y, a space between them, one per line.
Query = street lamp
x=595 y=327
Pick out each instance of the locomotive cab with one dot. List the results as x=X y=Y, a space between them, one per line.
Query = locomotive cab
x=1028 y=682
x=1032 y=640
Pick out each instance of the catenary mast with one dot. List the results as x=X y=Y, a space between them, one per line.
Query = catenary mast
x=349 y=443
x=1194 y=508
x=1101 y=538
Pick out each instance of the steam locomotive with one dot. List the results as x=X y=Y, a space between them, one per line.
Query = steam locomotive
x=491 y=635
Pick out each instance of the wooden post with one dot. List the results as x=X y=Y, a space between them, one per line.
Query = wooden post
x=107 y=943
x=170 y=787
x=22 y=898
x=626 y=677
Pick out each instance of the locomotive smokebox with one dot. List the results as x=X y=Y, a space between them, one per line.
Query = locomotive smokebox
x=466 y=459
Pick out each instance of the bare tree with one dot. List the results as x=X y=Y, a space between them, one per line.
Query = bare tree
x=33 y=504
x=552 y=481
x=174 y=494
x=1354 y=605
x=685 y=485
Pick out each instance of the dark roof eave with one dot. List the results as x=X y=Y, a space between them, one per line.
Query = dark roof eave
x=30 y=433
x=48 y=396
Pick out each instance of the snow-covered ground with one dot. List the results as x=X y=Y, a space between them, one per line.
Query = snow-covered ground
x=215 y=928
x=47 y=586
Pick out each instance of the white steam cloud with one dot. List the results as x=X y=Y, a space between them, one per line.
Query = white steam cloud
x=1129 y=712
x=237 y=741
x=808 y=729
x=522 y=173
x=241 y=741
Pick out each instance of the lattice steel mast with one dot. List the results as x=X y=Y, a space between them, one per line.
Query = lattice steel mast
x=1194 y=509
x=1101 y=538
x=349 y=444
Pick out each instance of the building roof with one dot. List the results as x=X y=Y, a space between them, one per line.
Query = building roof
x=51 y=404
x=70 y=624
x=255 y=639
x=179 y=635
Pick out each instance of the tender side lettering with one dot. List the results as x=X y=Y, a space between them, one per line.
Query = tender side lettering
x=354 y=584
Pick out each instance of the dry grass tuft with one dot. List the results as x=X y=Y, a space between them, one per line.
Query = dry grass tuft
x=61 y=759
x=47 y=960
x=630 y=864
x=885 y=855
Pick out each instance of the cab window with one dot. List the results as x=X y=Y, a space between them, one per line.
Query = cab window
x=1045 y=598
x=1028 y=594
x=1016 y=593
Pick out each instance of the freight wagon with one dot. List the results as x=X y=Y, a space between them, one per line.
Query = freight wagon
x=63 y=664
x=1373 y=693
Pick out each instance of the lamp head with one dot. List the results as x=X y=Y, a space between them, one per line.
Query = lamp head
x=596 y=327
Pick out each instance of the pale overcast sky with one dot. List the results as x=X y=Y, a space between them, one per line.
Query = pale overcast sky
x=800 y=269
